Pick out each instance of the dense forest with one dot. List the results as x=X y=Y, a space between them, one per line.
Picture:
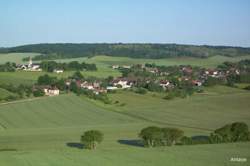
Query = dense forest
x=70 y=50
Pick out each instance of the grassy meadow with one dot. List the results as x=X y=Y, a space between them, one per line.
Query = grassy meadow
x=15 y=57
x=46 y=131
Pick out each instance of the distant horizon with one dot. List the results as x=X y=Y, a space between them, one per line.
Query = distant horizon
x=125 y=43
x=193 y=22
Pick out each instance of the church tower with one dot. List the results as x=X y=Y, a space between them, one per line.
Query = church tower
x=30 y=63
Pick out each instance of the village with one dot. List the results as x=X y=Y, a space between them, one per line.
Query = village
x=140 y=78
x=151 y=77
x=34 y=67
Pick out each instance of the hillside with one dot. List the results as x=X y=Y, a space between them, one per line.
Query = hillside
x=46 y=131
x=153 y=51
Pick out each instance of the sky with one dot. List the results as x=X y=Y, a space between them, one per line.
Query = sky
x=210 y=22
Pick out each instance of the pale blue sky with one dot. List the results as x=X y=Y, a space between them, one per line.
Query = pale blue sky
x=213 y=22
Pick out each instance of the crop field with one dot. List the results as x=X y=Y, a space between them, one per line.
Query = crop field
x=46 y=131
x=208 y=62
x=15 y=57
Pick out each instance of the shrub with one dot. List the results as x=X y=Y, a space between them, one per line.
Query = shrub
x=92 y=138
x=247 y=88
x=141 y=91
x=151 y=136
x=169 y=96
x=234 y=132
x=215 y=138
x=154 y=136
x=38 y=93
x=186 y=140
x=171 y=136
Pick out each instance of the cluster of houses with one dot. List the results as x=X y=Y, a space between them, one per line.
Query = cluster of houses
x=47 y=89
x=34 y=67
x=29 y=67
x=118 y=83
x=125 y=82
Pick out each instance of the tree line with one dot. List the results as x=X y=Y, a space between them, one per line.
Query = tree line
x=50 y=66
x=153 y=136
x=135 y=50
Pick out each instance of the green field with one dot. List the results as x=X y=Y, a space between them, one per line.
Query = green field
x=46 y=131
x=15 y=57
x=107 y=61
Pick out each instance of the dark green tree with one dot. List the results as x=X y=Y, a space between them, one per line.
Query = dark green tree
x=92 y=138
x=151 y=136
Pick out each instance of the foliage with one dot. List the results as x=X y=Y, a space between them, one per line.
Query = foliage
x=247 y=88
x=151 y=136
x=212 y=81
x=141 y=91
x=171 y=136
x=50 y=66
x=234 y=132
x=8 y=67
x=186 y=140
x=154 y=136
x=77 y=75
x=46 y=80
x=38 y=93
x=56 y=51
x=18 y=92
x=92 y=138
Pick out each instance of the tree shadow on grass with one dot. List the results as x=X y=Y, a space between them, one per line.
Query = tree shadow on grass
x=137 y=143
x=75 y=145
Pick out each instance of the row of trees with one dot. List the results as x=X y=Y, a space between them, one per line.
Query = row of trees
x=8 y=67
x=154 y=136
x=16 y=92
x=50 y=66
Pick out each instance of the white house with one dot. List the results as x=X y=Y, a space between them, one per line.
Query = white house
x=51 y=91
x=164 y=83
x=122 y=82
x=115 y=67
x=111 y=88
x=87 y=85
x=58 y=71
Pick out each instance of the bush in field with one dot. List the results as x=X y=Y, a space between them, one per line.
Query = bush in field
x=169 y=96
x=92 y=138
x=215 y=138
x=38 y=93
x=247 y=88
x=171 y=136
x=186 y=140
x=154 y=136
x=151 y=136
x=234 y=132
x=141 y=91
x=46 y=80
